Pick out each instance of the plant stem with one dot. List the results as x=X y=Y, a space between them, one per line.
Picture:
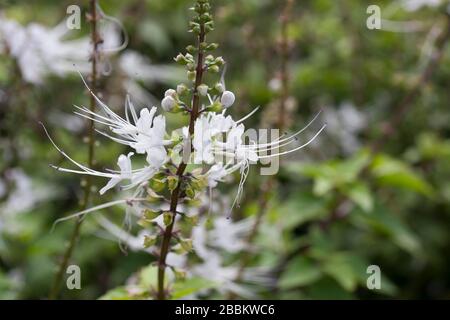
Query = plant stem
x=404 y=105
x=167 y=236
x=268 y=184
x=93 y=17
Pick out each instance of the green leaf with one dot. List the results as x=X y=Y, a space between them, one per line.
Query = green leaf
x=300 y=272
x=389 y=225
x=119 y=293
x=360 y=194
x=328 y=288
x=395 y=173
x=300 y=209
x=190 y=286
x=148 y=277
x=149 y=241
x=340 y=268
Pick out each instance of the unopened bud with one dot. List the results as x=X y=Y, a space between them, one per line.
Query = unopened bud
x=170 y=92
x=227 y=99
x=181 y=59
x=214 y=69
x=181 y=89
x=219 y=87
x=202 y=89
x=168 y=103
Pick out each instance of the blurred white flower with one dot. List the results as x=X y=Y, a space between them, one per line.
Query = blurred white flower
x=414 y=5
x=230 y=237
x=344 y=123
x=24 y=193
x=41 y=51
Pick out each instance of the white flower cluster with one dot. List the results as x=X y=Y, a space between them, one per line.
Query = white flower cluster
x=218 y=141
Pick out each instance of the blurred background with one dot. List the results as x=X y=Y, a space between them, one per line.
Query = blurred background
x=373 y=189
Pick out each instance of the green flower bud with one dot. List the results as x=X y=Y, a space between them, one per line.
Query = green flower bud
x=181 y=89
x=186 y=244
x=215 y=107
x=214 y=69
x=175 y=137
x=209 y=26
x=212 y=46
x=144 y=223
x=209 y=58
x=193 y=220
x=190 y=66
x=190 y=192
x=219 y=87
x=179 y=274
x=196 y=29
x=219 y=61
x=149 y=241
x=172 y=182
x=157 y=185
x=181 y=59
x=191 y=75
x=150 y=214
x=191 y=49
x=167 y=218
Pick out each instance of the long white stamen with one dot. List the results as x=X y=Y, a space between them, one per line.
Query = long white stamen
x=64 y=154
x=89 y=173
x=121 y=141
x=247 y=116
x=294 y=135
x=96 y=208
x=298 y=148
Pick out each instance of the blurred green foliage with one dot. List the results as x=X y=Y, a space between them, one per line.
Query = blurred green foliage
x=333 y=212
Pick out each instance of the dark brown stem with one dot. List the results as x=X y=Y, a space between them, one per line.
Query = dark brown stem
x=167 y=236
x=404 y=105
x=267 y=186
x=93 y=18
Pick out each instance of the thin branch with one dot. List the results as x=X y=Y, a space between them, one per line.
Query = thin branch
x=268 y=185
x=167 y=236
x=93 y=17
x=405 y=104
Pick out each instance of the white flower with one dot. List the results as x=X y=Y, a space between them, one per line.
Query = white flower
x=209 y=145
x=228 y=236
x=215 y=174
x=227 y=99
x=40 y=50
x=168 y=103
x=145 y=134
x=124 y=163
